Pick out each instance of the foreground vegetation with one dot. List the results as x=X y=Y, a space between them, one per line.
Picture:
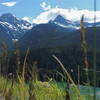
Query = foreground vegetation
x=39 y=91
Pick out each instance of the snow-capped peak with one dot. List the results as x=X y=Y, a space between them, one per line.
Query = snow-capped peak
x=14 y=26
x=63 y=22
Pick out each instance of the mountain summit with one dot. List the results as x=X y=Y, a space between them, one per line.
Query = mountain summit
x=60 y=20
x=8 y=17
x=14 y=26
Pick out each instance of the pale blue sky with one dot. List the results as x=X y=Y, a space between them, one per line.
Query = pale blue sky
x=32 y=7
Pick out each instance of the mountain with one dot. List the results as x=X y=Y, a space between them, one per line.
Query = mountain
x=13 y=26
x=72 y=25
x=44 y=35
x=52 y=35
x=56 y=32
x=61 y=21
x=17 y=27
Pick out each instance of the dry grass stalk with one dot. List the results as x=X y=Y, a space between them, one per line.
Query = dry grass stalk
x=84 y=44
x=4 y=59
x=84 y=54
x=33 y=80
x=69 y=77
x=17 y=53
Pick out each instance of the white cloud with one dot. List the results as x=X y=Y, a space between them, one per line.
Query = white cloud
x=45 y=6
x=70 y=14
x=28 y=19
x=9 y=4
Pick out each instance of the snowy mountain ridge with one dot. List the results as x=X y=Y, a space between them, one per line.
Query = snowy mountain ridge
x=14 y=26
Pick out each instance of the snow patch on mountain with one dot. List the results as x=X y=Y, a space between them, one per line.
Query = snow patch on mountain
x=68 y=26
x=14 y=26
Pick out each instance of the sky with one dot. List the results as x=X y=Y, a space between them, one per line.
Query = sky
x=43 y=10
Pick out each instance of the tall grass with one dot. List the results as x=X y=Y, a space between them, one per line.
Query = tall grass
x=94 y=51
x=35 y=90
x=85 y=55
x=69 y=78
x=21 y=78
x=17 y=53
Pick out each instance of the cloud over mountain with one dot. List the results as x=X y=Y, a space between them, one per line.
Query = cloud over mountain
x=70 y=14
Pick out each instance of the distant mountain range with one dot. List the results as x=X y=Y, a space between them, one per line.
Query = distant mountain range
x=60 y=20
x=56 y=32
x=50 y=35
x=13 y=26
